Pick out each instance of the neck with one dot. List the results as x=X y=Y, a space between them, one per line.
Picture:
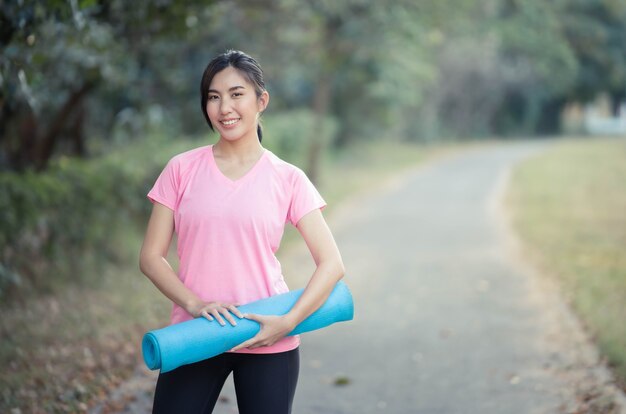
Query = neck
x=240 y=149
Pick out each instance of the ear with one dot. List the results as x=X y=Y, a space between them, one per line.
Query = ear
x=263 y=101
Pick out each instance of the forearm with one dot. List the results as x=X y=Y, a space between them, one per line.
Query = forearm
x=321 y=284
x=159 y=271
x=273 y=328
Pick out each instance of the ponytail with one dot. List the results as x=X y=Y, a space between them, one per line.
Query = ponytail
x=259 y=131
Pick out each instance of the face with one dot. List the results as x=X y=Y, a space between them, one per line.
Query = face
x=233 y=106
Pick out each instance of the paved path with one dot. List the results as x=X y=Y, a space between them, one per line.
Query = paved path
x=448 y=318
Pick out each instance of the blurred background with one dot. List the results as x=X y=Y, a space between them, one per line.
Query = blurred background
x=96 y=96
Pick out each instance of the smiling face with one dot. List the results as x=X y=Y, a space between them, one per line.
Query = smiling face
x=233 y=105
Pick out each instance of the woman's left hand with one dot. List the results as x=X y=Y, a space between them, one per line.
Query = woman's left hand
x=273 y=329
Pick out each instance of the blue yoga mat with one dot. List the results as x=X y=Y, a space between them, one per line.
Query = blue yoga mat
x=199 y=339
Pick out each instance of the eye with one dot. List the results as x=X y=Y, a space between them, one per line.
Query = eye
x=237 y=94
x=213 y=97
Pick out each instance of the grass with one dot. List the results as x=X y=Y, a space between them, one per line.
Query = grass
x=64 y=352
x=569 y=207
x=61 y=352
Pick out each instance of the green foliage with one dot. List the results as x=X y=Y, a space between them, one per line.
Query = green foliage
x=596 y=31
x=558 y=52
x=288 y=134
x=415 y=70
x=361 y=52
x=57 y=54
x=535 y=44
x=55 y=223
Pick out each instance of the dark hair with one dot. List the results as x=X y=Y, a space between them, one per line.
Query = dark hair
x=245 y=64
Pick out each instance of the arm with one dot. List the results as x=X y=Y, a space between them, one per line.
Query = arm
x=329 y=270
x=153 y=263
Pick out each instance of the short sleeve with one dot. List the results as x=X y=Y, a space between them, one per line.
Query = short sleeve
x=165 y=189
x=305 y=198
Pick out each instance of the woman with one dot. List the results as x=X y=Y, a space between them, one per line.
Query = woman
x=228 y=204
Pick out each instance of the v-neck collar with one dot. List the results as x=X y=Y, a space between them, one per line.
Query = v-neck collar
x=247 y=175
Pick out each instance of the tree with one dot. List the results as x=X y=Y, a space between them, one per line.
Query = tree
x=560 y=51
x=39 y=75
x=596 y=32
x=57 y=55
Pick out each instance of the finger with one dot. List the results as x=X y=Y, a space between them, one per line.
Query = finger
x=206 y=315
x=217 y=316
x=228 y=317
x=235 y=311
x=254 y=317
x=261 y=343
x=245 y=344
x=255 y=345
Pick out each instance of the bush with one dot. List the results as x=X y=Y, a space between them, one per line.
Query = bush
x=53 y=224
x=288 y=134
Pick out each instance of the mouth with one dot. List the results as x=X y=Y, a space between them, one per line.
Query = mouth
x=229 y=122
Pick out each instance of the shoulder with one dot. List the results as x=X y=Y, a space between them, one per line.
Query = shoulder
x=284 y=169
x=185 y=160
x=190 y=156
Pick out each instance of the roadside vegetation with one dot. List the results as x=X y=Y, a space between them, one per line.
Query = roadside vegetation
x=569 y=206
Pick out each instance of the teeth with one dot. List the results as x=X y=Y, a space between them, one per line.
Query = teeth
x=232 y=121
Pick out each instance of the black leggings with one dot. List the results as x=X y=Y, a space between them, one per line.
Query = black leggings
x=264 y=383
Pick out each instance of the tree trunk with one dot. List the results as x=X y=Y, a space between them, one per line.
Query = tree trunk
x=321 y=101
x=48 y=142
x=549 y=122
x=328 y=56
x=27 y=135
x=617 y=98
x=77 y=132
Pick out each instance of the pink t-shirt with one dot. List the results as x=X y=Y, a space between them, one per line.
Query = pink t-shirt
x=229 y=231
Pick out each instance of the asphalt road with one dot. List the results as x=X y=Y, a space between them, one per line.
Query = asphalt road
x=449 y=318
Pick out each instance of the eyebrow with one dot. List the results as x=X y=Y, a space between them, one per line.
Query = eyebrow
x=229 y=90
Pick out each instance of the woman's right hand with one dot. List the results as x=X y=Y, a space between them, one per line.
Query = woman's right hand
x=216 y=310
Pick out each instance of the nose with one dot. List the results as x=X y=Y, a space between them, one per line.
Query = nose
x=225 y=106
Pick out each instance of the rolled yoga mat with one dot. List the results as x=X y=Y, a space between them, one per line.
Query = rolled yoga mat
x=199 y=339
